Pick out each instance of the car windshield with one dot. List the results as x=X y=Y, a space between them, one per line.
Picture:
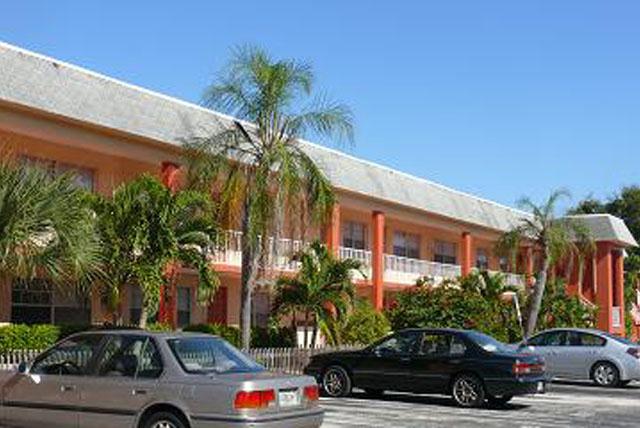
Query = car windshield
x=488 y=343
x=619 y=339
x=211 y=355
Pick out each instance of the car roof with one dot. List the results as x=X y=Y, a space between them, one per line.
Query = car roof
x=140 y=332
x=436 y=330
x=577 y=329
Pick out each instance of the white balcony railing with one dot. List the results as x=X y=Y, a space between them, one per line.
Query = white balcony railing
x=511 y=279
x=279 y=252
x=363 y=256
x=405 y=270
x=616 y=316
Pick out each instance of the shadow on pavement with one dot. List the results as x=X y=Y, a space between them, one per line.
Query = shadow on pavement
x=589 y=384
x=433 y=400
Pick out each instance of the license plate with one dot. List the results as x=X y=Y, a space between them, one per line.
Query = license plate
x=540 y=387
x=289 y=398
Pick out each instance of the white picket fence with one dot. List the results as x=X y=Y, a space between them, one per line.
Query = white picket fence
x=287 y=360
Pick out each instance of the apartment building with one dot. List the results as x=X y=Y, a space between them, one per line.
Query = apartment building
x=401 y=227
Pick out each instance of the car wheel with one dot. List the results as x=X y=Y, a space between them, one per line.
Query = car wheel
x=468 y=391
x=164 y=420
x=375 y=393
x=500 y=400
x=606 y=374
x=624 y=383
x=336 y=382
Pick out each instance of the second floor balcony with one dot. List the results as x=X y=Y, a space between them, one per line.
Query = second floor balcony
x=397 y=269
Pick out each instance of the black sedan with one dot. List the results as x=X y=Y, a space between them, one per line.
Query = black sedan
x=470 y=366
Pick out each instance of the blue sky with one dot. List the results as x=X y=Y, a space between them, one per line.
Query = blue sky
x=497 y=98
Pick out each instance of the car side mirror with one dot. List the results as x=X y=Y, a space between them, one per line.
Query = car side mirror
x=23 y=368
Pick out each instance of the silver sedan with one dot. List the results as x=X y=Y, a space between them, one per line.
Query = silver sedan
x=606 y=359
x=153 y=380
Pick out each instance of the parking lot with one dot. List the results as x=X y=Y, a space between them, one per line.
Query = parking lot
x=567 y=404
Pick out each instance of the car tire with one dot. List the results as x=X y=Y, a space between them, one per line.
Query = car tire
x=624 y=383
x=164 y=420
x=468 y=391
x=500 y=400
x=336 y=382
x=374 y=393
x=605 y=374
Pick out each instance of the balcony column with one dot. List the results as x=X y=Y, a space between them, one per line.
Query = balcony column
x=169 y=175
x=618 y=268
x=377 y=260
x=332 y=230
x=466 y=255
x=604 y=294
x=528 y=266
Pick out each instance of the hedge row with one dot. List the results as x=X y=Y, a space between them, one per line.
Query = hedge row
x=41 y=336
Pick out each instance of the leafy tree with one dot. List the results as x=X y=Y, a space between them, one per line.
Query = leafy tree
x=144 y=228
x=322 y=291
x=363 y=326
x=264 y=170
x=46 y=226
x=562 y=310
x=552 y=239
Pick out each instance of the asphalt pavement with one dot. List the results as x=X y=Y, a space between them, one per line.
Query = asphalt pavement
x=565 y=405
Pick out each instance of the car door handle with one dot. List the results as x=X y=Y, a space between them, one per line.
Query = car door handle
x=67 y=388
x=139 y=392
x=405 y=359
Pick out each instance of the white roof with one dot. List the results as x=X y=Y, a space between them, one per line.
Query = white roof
x=52 y=86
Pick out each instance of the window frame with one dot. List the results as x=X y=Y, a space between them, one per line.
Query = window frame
x=484 y=253
x=404 y=248
x=95 y=373
x=440 y=256
x=350 y=227
x=91 y=363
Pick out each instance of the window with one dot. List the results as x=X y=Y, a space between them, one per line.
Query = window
x=354 y=235
x=83 y=177
x=211 y=355
x=553 y=338
x=441 y=345
x=38 y=301
x=445 y=252
x=184 y=306
x=135 y=305
x=585 y=339
x=71 y=357
x=482 y=259
x=406 y=245
x=504 y=264
x=261 y=308
x=130 y=356
x=401 y=343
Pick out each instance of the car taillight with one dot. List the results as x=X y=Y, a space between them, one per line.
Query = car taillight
x=312 y=392
x=254 y=399
x=634 y=352
x=522 y=368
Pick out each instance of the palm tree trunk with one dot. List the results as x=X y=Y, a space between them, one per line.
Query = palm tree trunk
x=248 y=277
x=580 y=276
x=538 y=293
x=314 y=335
x=306 y=329
x=294 y=327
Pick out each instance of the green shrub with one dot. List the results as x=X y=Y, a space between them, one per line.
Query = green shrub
x=273 y=337
x=561 y=310
x=229 y=333
x=364 y=325
x=158 y=326
x=21 y=336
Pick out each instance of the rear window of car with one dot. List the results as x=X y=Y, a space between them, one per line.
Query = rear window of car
x=211 y=355
x=620 y=339
x=488 y=343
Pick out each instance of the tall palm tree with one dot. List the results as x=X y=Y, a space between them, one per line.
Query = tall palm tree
x=145 y=227
x=322 y=290
x=265 y=172
x=46 y=226
x=552 y=238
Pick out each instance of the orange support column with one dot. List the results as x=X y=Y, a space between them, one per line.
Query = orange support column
x=333 y=230
x=618 y=269
x=377 y=260
x=604 y=293
x=169 y=174
x=528 y=265
x=466 y=256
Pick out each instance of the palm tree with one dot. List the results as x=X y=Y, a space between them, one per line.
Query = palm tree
x=265 y=172
x=552 y=238
x=322 y=290
x=46 y=226
x=145 y=227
